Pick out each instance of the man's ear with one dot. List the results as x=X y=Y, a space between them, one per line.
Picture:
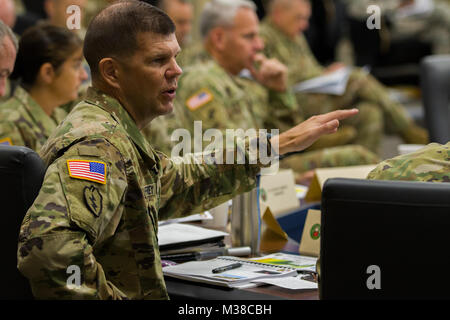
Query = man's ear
x=46 y=73
x=108 y=70
x=217 y=38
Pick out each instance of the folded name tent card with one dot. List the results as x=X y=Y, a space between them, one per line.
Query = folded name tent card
x=322 y=174
x=278 y=193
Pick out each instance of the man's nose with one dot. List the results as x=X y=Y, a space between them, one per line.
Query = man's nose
x=259 y=44
x=174 y=70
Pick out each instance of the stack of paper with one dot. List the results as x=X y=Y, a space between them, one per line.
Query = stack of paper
x=330 y=83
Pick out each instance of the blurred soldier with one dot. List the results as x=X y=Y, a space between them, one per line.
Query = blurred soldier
x=7 y=12
x=430 y=164
x=181 y=13
x=283 y=39
x=215 y=93
x=8 y=17
x=429 y=23
x=8 y=52
x=49 y=72
x=92 y=230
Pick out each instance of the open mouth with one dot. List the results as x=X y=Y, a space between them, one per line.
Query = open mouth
x=171 y=92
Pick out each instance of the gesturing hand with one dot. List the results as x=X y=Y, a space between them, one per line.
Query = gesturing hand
x=304 y=134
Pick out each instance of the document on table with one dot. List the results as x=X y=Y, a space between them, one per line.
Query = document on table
x=194 y=217
x=175 y=233
x=330 y=83
x=293 y=283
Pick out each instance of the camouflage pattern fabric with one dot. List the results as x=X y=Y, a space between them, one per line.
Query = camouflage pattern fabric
x=192 y=54
x=362 y=88
x=109 y=228
x=209 y=94
x=24 y=123
x=158 y=132
x=430 y=164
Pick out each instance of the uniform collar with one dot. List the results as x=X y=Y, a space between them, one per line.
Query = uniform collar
x=40 y=118
x=121 y=116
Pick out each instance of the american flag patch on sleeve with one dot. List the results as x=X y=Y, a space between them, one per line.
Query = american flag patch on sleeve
x=199 y=99
x=87 y=170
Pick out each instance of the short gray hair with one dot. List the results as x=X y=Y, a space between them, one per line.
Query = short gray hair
x=221 y=13
x=6 y=31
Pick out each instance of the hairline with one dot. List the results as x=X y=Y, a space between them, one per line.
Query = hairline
x=227 y=21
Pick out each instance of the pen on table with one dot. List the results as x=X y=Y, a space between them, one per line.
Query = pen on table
x=226 y=268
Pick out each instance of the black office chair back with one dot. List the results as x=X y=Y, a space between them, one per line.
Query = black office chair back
x=21 y=176
x=384 y=240
x=435 y=84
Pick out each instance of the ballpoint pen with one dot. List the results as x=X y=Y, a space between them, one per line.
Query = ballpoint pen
x=226 y=268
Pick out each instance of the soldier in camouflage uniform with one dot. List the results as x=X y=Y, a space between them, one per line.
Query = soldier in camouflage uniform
x=103 y=220
x=430 y=164
x=24 y=123
x=222 y=99
x=8 y=52
x=283 y=41
x=49 y=66
x=432 y=25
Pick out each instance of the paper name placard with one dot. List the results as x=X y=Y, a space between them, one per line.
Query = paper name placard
x=278 y=193
x=310 y=243
x=321 y=175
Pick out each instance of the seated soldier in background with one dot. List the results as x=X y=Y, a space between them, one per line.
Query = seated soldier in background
x=8 y=52
x=215 y=93
x=430 y=164
x=282 y=33
x=8 y=17
x=49 y=70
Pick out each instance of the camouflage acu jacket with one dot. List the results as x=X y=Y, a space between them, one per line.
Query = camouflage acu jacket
x=223 y=101
x=102 y=196
x=430 y=164
x=24 y=123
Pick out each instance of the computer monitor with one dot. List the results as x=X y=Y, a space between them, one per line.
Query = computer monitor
x=385 y=240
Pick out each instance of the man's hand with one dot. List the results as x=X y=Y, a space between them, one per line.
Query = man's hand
x=303 y=135
x=271 y=73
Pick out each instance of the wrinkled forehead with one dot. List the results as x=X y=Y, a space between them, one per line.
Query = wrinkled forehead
x=149 y=42
x=7 y=48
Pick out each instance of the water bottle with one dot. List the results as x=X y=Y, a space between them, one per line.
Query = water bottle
x=245 y=221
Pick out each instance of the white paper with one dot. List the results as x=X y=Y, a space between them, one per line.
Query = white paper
x=293 y=283
x=417 y=8
x=194 y=217
x=330 y=83
x=179 y=233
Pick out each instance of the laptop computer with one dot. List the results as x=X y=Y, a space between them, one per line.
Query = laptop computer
x=385 y=240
